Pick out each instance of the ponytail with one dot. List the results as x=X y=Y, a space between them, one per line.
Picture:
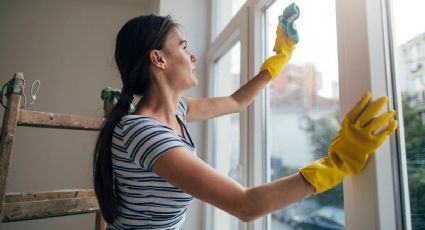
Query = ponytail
x=135 y=40
x=102 y=162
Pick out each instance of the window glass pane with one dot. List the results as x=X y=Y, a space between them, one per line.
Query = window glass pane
x=410 y=77
x=303 y=111
x=226 y=130
x=225 y=10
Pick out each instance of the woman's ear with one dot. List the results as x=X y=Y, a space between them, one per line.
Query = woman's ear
x=157 y=59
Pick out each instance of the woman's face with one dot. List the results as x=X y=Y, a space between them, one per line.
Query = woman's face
x=179 y=62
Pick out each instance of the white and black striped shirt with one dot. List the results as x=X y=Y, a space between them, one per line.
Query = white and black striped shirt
x=145 y=200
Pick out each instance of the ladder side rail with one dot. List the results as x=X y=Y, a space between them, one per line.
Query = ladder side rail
x=8 y=133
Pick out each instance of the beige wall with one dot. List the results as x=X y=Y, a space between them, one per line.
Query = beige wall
x=68 y=46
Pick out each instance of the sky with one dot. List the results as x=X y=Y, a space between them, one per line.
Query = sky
x=318 y=40
x=317 y=31
x=408 y=19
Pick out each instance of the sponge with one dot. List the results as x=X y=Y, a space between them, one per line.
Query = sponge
x=290 y=14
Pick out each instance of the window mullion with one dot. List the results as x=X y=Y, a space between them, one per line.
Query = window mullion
x=369 y=197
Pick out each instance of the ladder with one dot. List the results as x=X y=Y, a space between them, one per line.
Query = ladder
x=46 y=204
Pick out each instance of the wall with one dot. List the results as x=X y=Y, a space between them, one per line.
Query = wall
x=193 y=16
x=68 y=46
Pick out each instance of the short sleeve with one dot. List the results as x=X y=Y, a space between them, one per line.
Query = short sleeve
x=148 y=140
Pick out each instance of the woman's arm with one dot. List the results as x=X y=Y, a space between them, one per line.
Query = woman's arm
x=207 y=108
x=201 y=109
x=190 y=174
x=348 y=154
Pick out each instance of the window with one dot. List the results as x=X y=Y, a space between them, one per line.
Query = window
x=224 y=12
x=226 y=137
x=409 y=38
x=328 y=74
x=303 y=111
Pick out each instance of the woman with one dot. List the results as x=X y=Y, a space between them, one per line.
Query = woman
x=145 y=166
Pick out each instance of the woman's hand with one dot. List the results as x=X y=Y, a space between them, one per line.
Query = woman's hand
x=284 y=44
x=349 y=151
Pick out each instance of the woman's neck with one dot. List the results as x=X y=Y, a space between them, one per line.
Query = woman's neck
x=159 y=104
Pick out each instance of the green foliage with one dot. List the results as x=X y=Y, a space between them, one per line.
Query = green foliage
x=321 y=133
x=414 y=132
x=324 y=129
x=417 y=196
x=333 y=197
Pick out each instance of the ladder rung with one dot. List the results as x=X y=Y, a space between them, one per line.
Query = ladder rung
x=29 y=206
x=57 y=120
x=57 y=194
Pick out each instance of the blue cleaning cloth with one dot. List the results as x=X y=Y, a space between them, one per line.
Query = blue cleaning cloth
x=290 y=14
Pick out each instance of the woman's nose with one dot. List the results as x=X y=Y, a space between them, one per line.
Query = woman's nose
x=193 y=58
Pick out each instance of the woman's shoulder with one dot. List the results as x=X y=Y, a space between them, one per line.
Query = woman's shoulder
x=136 y=120
x=145 y=138
x=144 y=125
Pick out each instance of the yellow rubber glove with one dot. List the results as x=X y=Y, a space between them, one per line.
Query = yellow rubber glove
x=352 y=146
x=283 y=47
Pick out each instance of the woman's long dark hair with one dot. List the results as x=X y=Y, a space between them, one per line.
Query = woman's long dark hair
x=134 y=42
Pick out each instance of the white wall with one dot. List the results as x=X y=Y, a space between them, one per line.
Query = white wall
x=69 y=46
x=194 y=18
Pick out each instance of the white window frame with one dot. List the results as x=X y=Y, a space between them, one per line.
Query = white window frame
x=376 y=198
x=236 y=30
x=372 y=199
x=401 y=195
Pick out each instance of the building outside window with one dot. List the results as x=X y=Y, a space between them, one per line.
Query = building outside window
x=303 y=111
x=300 y=110
x=409 y=45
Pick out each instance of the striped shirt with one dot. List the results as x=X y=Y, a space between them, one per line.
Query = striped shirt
x=144 y=200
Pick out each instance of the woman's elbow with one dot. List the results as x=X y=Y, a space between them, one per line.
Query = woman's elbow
x=237 y=105
x=248 y=216
x=248 y=211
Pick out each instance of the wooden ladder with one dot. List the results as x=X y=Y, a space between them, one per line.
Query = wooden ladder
x=30 y=206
